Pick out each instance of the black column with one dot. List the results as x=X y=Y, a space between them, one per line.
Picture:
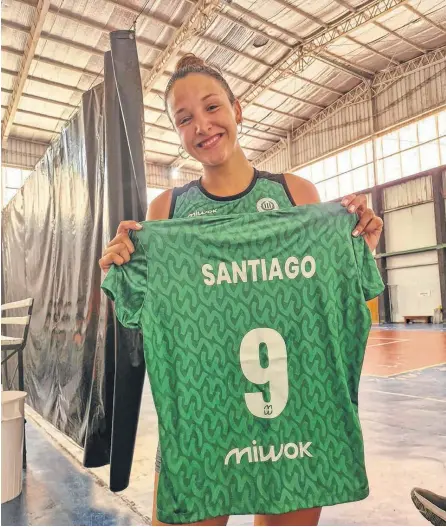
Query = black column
x=384 y=300
x=439 y=191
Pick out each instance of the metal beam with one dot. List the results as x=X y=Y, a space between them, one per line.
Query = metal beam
x=54 y=63
x=43 y=99
x=321 y=23
x=425 y=18
x=249 y=14
x=144 y=67
x=275 y=110
x=346 y=5
x=53 y=84
x=197 y=21
x=87 y=22
x=337 y=64
x=298 y=59
x=35 y=129
x=361 y=93
x=30 y=48
x=301 y=12
x=36 y=114
x=372 y=50
x=298 y=99
x=400 y=37
x=385 y=78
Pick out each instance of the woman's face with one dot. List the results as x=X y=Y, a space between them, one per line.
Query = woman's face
x=204 y=118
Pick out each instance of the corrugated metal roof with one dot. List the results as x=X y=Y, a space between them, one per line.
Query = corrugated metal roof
x=68 y=58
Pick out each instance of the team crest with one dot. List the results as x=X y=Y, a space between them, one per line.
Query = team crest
x=267 y=204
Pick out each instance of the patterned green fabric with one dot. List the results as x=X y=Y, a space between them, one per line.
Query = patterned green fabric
x=265 y=194
x=254 y=329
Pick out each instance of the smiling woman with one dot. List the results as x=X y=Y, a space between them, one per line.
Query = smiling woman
x=205 y=114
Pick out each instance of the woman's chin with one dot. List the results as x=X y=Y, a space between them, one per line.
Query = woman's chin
x=212 y=158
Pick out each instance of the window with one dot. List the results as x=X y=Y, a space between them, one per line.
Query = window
x=442 y=124
x=344 y=162
x=408 y=136
x=391 y=144
x=410 y=162
x=429 y=156
x=413 y=148
x=427 y=129
x=358 y=156
x=12 y=179
x=345 y=184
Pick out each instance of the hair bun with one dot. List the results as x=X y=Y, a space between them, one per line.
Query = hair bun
x=189 y=60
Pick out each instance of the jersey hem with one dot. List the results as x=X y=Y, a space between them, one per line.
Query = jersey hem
x=179 y=519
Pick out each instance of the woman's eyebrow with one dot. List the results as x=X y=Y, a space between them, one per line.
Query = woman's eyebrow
x=203 y=99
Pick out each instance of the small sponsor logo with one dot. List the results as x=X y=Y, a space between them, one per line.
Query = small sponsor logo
x=202 y=212
x=267 y=204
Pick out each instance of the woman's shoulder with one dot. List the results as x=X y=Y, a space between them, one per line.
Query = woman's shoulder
x=159 y=208
x=303 y=192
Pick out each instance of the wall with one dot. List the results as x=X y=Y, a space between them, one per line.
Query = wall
x=409 y=225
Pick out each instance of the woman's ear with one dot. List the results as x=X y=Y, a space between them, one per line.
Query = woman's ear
x=238 y=112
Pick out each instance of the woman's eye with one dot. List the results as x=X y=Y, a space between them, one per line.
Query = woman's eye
x=212 y=107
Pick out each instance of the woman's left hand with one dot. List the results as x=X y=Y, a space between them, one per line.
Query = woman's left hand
x=369 y=225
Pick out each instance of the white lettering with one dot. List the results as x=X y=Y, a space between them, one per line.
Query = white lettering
x=303 y=449
x=310 y=260
x=275 y=270
x=209 y=277
x=239 y=272
x=264 y=275
x=256 y=454
x=253 y=264
x=259 y=269
x=223 y=274
x=293 y=271
x=287 y=451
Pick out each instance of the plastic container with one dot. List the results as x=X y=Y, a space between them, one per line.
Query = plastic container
x=13 y=421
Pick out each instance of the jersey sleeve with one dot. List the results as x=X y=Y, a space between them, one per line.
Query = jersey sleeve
x=369 y=275
x=126 y=285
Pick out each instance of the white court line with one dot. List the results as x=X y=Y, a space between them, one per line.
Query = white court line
x=386 y=343
x=382 y=338
x=411 y=396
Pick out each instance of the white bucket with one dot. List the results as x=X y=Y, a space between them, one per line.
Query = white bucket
x=13 y=416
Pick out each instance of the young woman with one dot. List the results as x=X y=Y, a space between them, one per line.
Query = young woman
x=206 y=115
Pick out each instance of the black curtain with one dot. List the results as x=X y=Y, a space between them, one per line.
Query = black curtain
x=54 y=231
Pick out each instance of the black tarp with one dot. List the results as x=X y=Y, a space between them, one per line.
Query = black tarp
x=83 y=371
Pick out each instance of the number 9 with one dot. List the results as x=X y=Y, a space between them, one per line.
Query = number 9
x=276 y=373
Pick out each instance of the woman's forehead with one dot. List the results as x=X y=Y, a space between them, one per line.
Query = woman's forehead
x=193 y=87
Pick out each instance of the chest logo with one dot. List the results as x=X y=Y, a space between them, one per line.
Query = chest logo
x=267 y=204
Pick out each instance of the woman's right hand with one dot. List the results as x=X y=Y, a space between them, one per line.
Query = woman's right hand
x=118 y=251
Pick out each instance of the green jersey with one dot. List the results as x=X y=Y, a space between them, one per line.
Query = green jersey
x=266 y=192
x=254 y=331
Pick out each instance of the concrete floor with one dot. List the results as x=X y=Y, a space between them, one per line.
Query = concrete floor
x=403 y=421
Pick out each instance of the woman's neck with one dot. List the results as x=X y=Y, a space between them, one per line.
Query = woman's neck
x=229 y=179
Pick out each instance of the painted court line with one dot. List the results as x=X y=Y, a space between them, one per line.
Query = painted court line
x=386 y=343
x=410 y=396
x=386 y=338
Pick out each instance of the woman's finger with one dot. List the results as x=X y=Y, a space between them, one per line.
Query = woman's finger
x=366 y=217
x=122 y=239
x=357 y=204
x=126 y=226
x=112 y=258
x=347 y=200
